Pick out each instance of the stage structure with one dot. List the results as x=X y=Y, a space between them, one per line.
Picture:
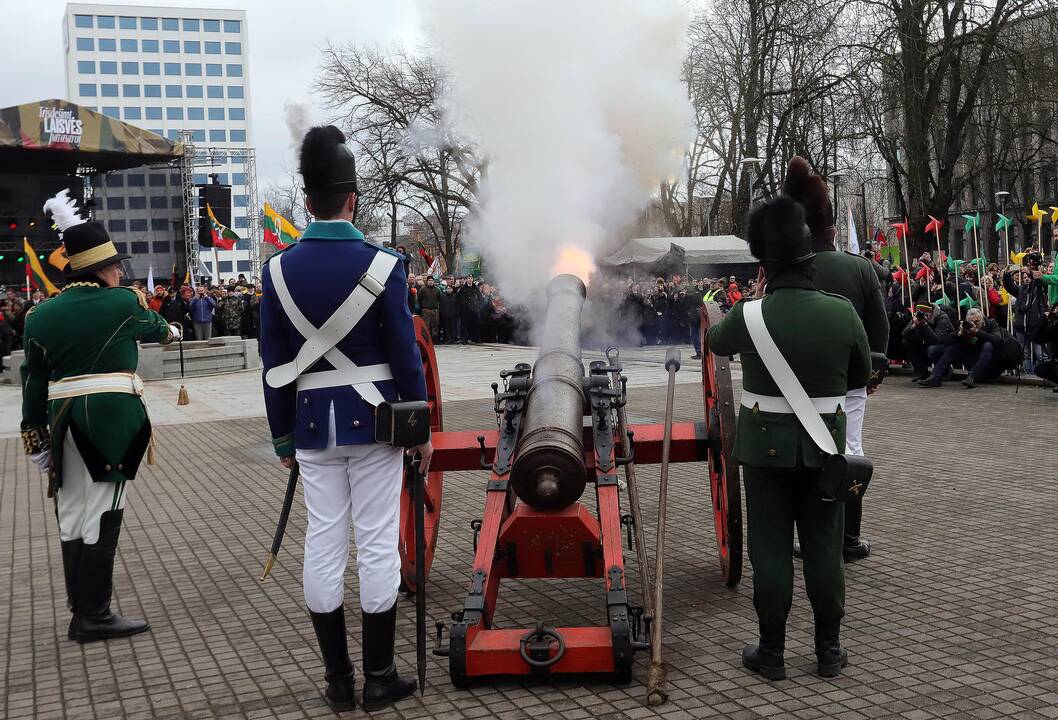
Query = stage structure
x=196 y=158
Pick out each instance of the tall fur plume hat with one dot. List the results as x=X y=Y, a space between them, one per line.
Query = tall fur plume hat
x=810 y=190
x=777 y=234
x=326 y=163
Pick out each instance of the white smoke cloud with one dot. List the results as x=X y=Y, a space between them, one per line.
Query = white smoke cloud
x=298 y=117
x=579 y=108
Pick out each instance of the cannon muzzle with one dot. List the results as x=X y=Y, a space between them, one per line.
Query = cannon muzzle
x=548 y=470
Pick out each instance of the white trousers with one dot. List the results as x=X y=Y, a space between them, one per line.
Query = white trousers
x=82 y=502
x=855 y=407
x=360 y=484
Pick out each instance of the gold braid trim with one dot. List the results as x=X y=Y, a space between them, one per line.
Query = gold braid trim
x=80 y=284
x=36 y=440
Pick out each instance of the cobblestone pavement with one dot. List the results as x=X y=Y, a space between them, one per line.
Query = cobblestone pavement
x=953 y=616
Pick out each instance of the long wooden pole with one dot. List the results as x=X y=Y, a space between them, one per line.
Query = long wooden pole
x=980 y=280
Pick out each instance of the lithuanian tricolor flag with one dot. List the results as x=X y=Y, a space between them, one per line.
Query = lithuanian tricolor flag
x=223 y=236
x=277 y=230
x=35 y=271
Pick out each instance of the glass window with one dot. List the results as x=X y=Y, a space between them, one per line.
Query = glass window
x=224 y=266
x=241 y=201
x=198 y=135
x=213 y=69
x=112 y=111
x=127 y=23
x=115 y=225
x=172 y=68
x=174 y=113
x=136 y=179
x=235 y=92
x=137 y=202
x=153 y=113
x=234 y=70
x=105 y=22
x=231 y=26
x=160 y=225
x=108 y=67
x=242 y=266
x=156 y=180
x=132 y=113
x=194 y=69
x=199 y=178
x=137 y=225
x=86 y=67
x=217 y=135
x=222 y=178
x=130 y=68
x=148 y=23
x=174 y=91
x=240 y=222
x=108 y=45
x=220 y=158
x=152 y=91
x=232 y=48
x=215 y=91
x=86 y=44
x=170 y=24
x=194 y=91
x=212 y=48
x=149 y=46
x=238 y=136
x=176 y=201
x=115 y=203
x=236 y=113
x=151 y=68
x=216 y=113
x=194 y=113
x=121 y=247
x=108 y=90
x=93 y=108
x=160 y=246
x=190 y=25
x=211 y=25
x=173 y=134
x=114 y=181
x=171 y=46
x=82 y=21
x=238 y=178
x=130 y=90
x=192 y=47
x=128 y=45
x=138 y=248
x=159 y=202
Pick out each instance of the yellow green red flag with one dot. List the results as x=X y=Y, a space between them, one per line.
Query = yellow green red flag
x=277 y=229
x=35 y=272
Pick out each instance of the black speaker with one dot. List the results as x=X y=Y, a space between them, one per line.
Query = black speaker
x=218 y=197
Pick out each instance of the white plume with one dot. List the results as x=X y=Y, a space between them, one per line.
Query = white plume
x=64 y=211
x=298 y=117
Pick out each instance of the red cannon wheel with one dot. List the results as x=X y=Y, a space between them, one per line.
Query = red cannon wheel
x=435 y=482
x=723 y=471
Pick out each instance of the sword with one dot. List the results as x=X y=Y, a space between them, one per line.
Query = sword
x=418 y=491
x=284 y=515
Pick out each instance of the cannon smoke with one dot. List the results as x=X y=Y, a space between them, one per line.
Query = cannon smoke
x=580 y=111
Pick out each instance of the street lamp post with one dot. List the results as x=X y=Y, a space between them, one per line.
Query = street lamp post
x=1001 y=197
x=836 y=177
x=750 y=164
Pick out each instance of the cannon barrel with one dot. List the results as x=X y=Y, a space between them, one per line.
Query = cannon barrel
x=548 y=470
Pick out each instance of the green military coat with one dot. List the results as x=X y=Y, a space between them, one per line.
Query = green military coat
x=823 y=340
x=88 y=329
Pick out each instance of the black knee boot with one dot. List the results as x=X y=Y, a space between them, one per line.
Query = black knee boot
x=766 y=658
x=830 y=656
x=330 y=632
x=854 y=547
x=382 y=684
x=71 y=561
x=94 y=620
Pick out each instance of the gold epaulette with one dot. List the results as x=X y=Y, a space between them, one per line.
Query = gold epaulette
x=140 y=296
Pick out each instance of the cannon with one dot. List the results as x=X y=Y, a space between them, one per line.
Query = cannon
x=558 y=432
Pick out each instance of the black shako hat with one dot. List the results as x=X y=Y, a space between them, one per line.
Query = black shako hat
x=777 y=233
x=326 y=163
x=89 y=248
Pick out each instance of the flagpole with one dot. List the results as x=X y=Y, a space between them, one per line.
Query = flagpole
x=907 y=274
x=940 y=265
x=980 y=285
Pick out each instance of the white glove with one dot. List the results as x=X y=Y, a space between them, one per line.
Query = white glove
x=176 y=332
x=41 y=459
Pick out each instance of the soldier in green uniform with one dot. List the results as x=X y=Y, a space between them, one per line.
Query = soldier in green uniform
x=83 y=418
x=821 y=337
x=852 y=277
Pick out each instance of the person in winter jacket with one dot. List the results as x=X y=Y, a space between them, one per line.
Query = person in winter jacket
x=976 y=347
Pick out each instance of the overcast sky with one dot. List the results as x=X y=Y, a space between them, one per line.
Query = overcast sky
x=284 y=42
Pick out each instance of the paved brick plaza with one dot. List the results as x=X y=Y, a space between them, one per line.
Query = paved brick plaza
x=954 y=616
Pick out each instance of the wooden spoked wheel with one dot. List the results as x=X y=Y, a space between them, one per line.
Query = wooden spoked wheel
x=723 y=471
x=435 y=481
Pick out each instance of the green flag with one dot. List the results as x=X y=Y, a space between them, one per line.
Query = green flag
x=1003 y=223
x=972 y=222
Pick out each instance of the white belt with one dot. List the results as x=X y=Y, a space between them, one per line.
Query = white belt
x=77 y=385
x=767 y=403
x=344 y=376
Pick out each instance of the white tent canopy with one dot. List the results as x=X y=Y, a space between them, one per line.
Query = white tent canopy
x=712 y=250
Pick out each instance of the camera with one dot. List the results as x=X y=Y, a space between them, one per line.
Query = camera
x=1034 y=261
x=920 y=315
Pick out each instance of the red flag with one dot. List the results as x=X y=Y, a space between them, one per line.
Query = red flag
x=934 y=225
x=879 y=237
x=901 y=230
x=427 y=258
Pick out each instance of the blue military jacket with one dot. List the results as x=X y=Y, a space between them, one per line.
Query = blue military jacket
x=321 y=271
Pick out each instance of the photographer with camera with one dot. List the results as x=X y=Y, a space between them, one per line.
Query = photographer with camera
x=1029 y=288
x=925 y=338
x=1047 y=336
x=976 y=347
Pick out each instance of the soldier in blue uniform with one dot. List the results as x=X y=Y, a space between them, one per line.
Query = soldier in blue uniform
x=337 y=339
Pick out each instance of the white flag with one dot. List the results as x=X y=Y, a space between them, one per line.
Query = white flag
x=150 y=281
x=854 y=243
